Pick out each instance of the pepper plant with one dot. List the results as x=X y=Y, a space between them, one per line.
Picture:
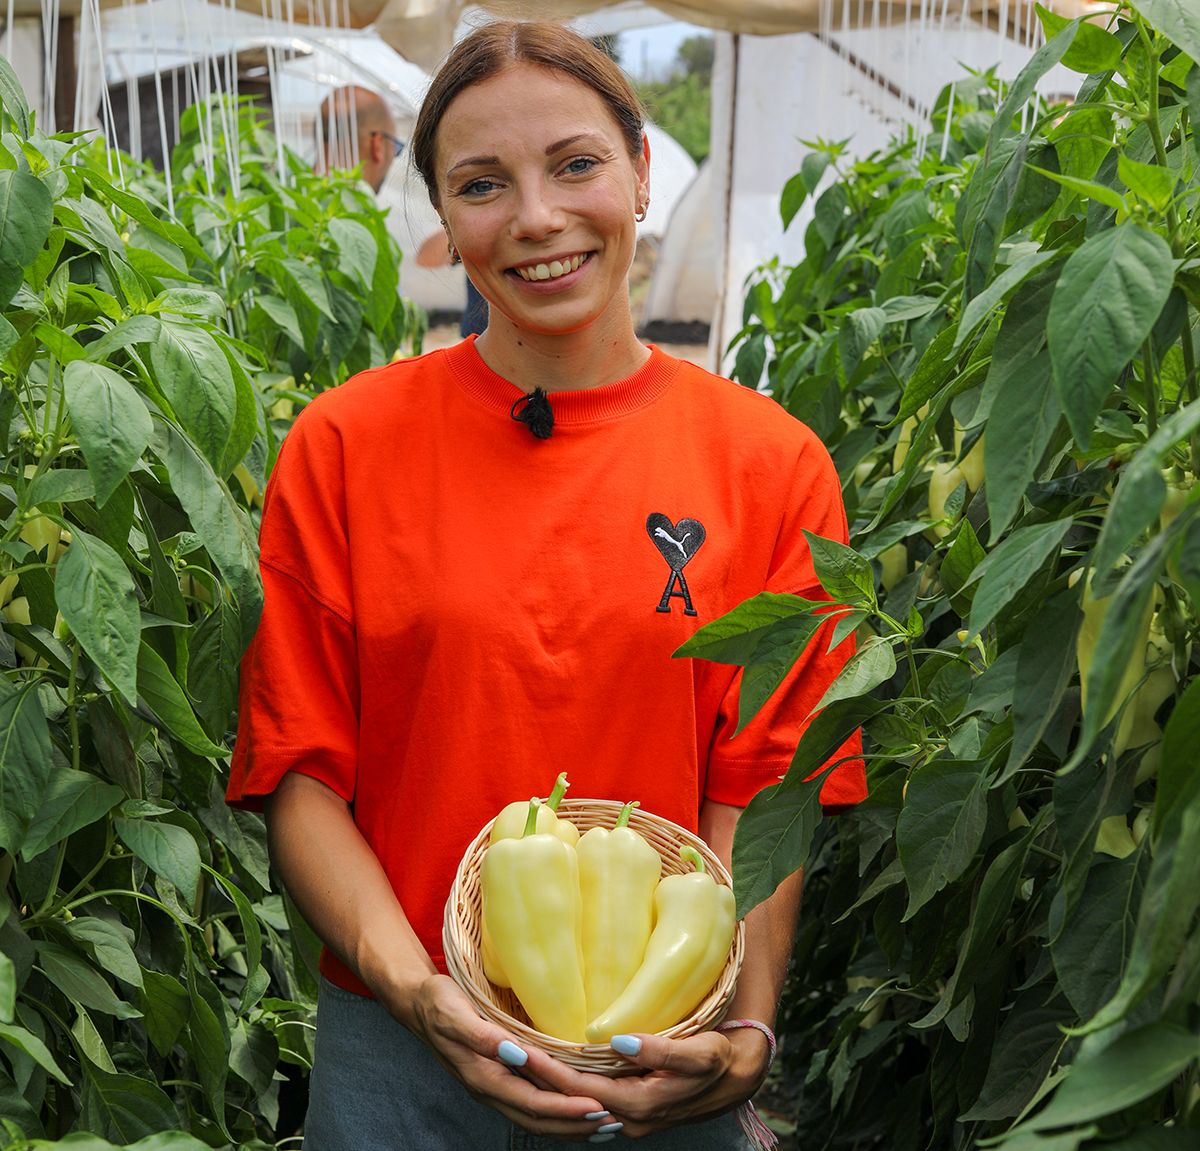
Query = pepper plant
x=994 y=330
x=151 y=981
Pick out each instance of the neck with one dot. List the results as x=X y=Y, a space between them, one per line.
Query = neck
x=599 y=354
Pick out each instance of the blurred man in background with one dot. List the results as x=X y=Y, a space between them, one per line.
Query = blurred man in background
x=356 y=127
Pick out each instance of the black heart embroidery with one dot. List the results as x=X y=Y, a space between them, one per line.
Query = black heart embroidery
x=677 y=542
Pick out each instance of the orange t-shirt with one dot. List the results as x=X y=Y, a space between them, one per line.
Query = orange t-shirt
x=456 y=611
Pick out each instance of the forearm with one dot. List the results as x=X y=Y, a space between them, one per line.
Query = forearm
x=339 y=885
x=770 y=927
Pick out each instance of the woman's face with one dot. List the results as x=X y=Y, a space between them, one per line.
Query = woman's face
x=538 y=190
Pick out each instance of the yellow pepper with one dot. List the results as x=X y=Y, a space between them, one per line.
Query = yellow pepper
x=618 y=875
x=693 y=931
x=510 y=824
x=532 y=910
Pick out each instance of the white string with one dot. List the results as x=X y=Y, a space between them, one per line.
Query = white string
x=162 y=114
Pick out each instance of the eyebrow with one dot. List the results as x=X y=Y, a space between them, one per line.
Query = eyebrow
x=557 y=146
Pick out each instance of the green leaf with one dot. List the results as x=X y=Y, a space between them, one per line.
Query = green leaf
x=991 y=194
x=357 y=247
x=25 y=760
x=31 y=1045
x=859 y=331
x=940 y=827
x=110 y=945
x=1023 y=88
x=26 y=214
x=225 y=530
x=1093 y=50
x=208 y=1040
x=1088 y=189
x=734 y=637
x=98 y=599
x=8 y=989
x=1045 y=666
x=1110 y=293
x=138 y=329
x=1150 y=182
x=72 y=800
x=163 y=695
x=12 y=97
x=110 y=421
x=1179 y=20
x=164 y=1002
x=1023 y=416
x=81 y=982
x=195 y=377
x=844 y=574
x=1178 y=780
x=934 y=368
x=1133 y=1067
x=990 y=297
x=90 y=1042
x=1164 y=917
x=795 y=192
x=168 y=851
x=125 y=1107
x=874 y=663
x=1010 y=566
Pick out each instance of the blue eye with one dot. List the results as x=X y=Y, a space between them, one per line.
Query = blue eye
x=580 y=165
x=478 y=188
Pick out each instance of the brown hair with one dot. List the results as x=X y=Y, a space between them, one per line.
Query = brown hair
x=491 y=49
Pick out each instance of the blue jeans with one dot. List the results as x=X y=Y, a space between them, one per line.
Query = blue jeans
x=376 y=1087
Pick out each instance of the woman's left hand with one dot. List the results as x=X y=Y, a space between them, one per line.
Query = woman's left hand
x=686 y=1079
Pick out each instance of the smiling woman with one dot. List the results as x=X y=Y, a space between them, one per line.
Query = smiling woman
x=451 y=601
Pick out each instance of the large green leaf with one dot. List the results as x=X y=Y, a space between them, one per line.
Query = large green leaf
x=1135 y=1066
x=124 y=1107
x=24 y=1040
x=1093 y=49
x=72 y=800
x=167 y=850
x=844 y=574
x=78 y=980
x=161 y=691
x=25 y=762
x=874 y=663
x=1178 y=779
x=1106 y=302
x=110 y=421
x=12 y=97
x=1010 y=566
x=940 y=827
x=98 y=599
x=358 y=249
x=1025 y=85
x=194 y=375
x=110 y=945
x=1178 y=19
x=26 y=213
x=224 y=528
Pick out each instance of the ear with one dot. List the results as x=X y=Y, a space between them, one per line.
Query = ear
x=642 y=167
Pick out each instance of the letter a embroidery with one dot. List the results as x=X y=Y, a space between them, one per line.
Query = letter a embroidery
x=676 y=543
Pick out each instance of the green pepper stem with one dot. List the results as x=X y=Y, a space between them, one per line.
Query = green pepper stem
x=560 y=789
x=626 y=811
x=690 y=855
x=531 y=819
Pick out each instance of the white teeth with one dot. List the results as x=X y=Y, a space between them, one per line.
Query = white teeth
x=552 y=270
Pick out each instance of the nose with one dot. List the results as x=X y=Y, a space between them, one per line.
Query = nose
x=537 y=213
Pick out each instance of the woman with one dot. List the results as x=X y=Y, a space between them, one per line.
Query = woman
x=457 y=609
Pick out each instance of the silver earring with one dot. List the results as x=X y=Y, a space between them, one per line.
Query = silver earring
x=642 y=210
x=455 y=258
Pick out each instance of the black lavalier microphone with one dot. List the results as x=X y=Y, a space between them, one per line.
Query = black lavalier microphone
x=534 y=410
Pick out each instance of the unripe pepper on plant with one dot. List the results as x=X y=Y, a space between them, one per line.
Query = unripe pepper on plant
x=944 y=478
x=693 y=929
x=533 y=913
x=618 y=875
x=893 y=565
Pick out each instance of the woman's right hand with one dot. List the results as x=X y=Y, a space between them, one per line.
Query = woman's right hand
x=545 y=1097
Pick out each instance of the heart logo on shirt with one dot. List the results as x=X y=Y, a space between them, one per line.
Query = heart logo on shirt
x=676 y=542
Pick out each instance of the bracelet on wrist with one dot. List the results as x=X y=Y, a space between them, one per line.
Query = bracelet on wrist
x=756 y=1025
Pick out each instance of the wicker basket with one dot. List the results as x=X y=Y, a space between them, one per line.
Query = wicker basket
x=460 y=939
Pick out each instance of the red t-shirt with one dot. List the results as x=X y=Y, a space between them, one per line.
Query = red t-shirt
x=456 y=611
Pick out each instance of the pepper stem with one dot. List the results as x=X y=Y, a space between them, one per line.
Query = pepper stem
x=531 y=820
x=560 y=789
x=690 y=855
x=623 y=816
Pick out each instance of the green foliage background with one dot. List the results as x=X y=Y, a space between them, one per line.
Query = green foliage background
x=1000 y=947
x=155 y=990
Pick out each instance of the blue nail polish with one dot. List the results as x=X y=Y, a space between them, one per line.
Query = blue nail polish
x=625 y=1044
x=593 y=1115
x=609 y=1128
x=601 y=1138
x=511 y=1054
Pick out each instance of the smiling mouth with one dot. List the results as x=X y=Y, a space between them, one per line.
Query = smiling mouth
x=552 y=269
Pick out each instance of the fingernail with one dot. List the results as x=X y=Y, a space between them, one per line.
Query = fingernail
x=511 y=1054
x=601 y=1138
x=596 y=1115
x=609 y=1128
x=625 y=1044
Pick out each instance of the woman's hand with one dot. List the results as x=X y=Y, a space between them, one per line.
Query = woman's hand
x=687 y=1079
x=544 y=1096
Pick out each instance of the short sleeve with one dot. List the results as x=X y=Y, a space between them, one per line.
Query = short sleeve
x=741 y=765
x=298 y=696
